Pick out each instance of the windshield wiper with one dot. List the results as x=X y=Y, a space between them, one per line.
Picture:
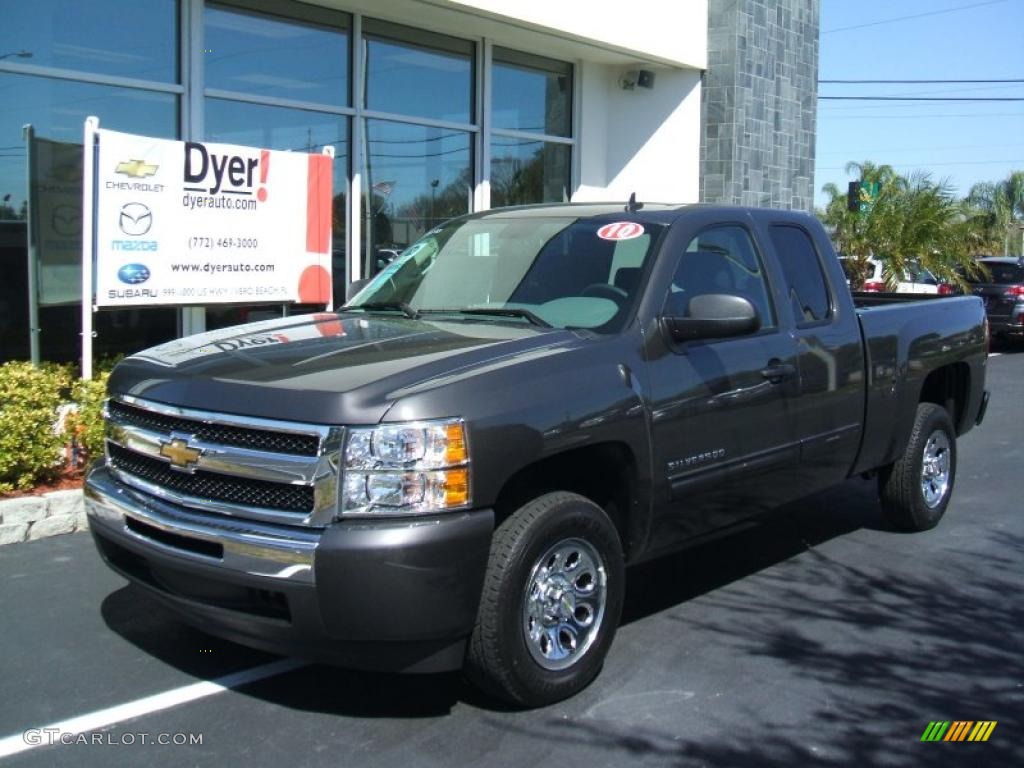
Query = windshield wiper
x=500 y=312
x=396 y=306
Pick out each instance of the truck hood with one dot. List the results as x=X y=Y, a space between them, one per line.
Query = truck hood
x=326 y=368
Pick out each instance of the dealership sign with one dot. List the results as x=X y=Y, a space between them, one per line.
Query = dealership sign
x=185 y=222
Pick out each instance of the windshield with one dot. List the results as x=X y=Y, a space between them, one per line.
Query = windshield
x=557 y=271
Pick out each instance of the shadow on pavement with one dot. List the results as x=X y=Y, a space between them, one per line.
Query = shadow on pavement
x=883 y=611
x=945 y=645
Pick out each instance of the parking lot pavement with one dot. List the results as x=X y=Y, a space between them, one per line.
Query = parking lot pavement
x=817 y=637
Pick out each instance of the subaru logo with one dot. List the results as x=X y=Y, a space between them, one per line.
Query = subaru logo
x=133 y=274
x=135 y=219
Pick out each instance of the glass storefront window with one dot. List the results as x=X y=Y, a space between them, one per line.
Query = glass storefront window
x=416 y=177
x=127 y=38
x=57 y=110
x=417 y=73
x=298 y=130
x=531 y=93
x=282 y=58
x=524 y=171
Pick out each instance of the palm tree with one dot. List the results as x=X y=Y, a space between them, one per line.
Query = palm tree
x=1001 y=204
x=914 y=220
x=851 y=231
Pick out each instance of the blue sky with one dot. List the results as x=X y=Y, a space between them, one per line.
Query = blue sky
x=962 y=142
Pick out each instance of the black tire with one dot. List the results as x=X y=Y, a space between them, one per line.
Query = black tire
x=902 y=485
x=503 y=658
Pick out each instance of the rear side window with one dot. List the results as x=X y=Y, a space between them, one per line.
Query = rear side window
x=805 y=281
x=1002 y=274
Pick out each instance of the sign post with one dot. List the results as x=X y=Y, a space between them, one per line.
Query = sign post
x=28 y=132
x=92 y=125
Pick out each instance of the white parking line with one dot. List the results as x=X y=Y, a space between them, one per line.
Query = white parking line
x=995 y=354
x=12 y=745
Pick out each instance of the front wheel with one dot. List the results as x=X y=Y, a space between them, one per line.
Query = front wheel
x=916 y=489
x=551 y=601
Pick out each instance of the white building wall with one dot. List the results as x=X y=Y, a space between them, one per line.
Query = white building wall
x=642 y=140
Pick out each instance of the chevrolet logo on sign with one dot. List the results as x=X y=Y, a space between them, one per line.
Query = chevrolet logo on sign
x=137 y=169
x=179 y=454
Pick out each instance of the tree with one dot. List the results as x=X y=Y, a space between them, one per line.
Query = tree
x=914 y=220
x=1000 y=205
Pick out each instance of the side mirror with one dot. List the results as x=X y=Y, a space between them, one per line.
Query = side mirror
x=713 y=316
x=355 y=287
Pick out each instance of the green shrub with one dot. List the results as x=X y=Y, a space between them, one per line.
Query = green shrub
x=30 y=443
x=86 y=423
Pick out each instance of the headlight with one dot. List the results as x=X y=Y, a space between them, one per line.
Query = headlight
x=401 y=469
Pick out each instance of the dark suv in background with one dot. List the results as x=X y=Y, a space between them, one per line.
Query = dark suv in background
x=1002 y=290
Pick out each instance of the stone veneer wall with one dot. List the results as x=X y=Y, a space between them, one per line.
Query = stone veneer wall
x=760 y=103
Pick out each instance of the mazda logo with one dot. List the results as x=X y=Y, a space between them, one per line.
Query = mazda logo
x=66 y=220
x=135 y=219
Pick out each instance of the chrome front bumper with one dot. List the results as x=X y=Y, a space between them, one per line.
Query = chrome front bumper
x=248 y=548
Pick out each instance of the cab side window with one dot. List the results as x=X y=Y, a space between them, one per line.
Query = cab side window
x=721 y=260
x=805 y=281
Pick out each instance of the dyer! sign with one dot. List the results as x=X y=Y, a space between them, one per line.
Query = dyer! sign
x=185 y=222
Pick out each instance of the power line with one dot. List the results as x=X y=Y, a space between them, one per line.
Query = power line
x=921 y=116
x=880 y=82
x=921 y=98
x=912 y=16
x=845 y=152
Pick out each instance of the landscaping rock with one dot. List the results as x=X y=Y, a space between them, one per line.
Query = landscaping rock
x=24 y=510
x=12 y=533
x=63 y=502
x=52 y=526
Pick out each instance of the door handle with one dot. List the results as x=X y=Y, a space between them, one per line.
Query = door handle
x=778 y=372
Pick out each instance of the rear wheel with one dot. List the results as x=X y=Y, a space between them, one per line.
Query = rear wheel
x=916 y=489
x=551 y=601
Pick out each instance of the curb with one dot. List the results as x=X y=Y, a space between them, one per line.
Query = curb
x=29 y=518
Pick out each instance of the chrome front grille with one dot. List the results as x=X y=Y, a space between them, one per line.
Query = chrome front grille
x=243 y=467
x=225 y=434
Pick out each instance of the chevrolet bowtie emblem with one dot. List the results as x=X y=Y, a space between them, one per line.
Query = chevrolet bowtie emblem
x=180 y=455
x=136 y=168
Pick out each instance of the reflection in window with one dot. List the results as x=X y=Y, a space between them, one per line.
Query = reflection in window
x=128 y=38
x=531 y=93
x=524 y=172
x=283 y=58
x=805 y=282
x=412 y=72
x=297 y=130
x=416 y=177
x=721 y=260
x=57 y=110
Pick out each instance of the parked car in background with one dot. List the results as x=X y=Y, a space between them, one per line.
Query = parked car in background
x=917 y=279
x=1001 y=288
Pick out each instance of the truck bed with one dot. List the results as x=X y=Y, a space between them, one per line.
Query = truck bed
x=903 y=342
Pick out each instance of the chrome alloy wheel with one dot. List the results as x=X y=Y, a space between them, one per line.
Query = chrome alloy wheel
x=564 y=603
x=935 y=468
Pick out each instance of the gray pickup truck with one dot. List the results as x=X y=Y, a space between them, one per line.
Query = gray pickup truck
x=455 y=469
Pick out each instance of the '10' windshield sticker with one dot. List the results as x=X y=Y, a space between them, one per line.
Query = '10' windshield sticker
x=620 y=230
